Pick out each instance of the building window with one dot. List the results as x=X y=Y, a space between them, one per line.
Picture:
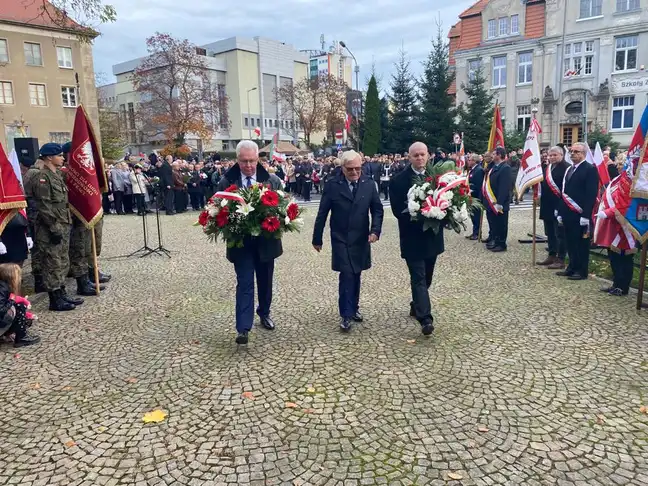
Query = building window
x=499 y=72
x=590 y=8
x=525 y=67
x=68 y=96
x=626 y=53
x=4 y=50
x=504 y=26
x=131 y=116
x=265 y=123
x=523 y=118
x=37 y=95
x=33 y=55
x=222 y=107
x=245 y=122
x=6 y=93
x=492 y=28
x=64 y=57
x=515 y=24
x=622 y=112
x=579 y=59
x=627 y=5
x=59 y=137
x=473 y=68
x=275 y=123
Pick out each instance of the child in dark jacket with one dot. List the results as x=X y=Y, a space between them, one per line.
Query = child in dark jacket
x=15 y=317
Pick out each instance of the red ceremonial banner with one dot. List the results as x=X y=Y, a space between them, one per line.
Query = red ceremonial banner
x=86 y=178
x=12 y=197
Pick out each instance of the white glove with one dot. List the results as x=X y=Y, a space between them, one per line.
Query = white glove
x=555 y=213
x=601 y=215
x=30 y=243
x=584 y=222
x=559 y=218
x=3 y=249
x=499 y=208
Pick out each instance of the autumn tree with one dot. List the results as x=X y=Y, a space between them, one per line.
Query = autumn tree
x=334 y=94
x=113 y=139
x=303 y=102
x=81 y=16
x=178 y=96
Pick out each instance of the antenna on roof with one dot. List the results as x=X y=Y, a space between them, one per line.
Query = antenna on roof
x=322 y=41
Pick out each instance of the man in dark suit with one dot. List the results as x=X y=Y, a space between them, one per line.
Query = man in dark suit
x=350 y=199
x=475 y=180
x=166 y=184
x=498 y=204
x=580 y=189
x=550 y=201
x=258 y=254
x=419 y=248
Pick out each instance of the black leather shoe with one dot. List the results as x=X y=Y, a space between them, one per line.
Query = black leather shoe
x=576 y=277
x=345 y=325
x=473 y=237
x=25 y=339
x=242 y=338
x=412 y=311
x=68 y=298
x=103 y=277
x=58 y=303
x=427 y=328
x=268 y=323
x=357 y=317
x=490 y=246
x=87 y=288
x=497 y=249
x=564 y=273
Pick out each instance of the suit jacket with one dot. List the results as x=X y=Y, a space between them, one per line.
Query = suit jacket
x=350 y=226
x=476 y=179
x=501 y=180
x=549 y=202
x=266 y=248
x=582 y=187
x=415 y=244
x=166 y=175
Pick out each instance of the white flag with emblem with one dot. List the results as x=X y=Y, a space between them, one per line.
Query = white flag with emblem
x=530 y=172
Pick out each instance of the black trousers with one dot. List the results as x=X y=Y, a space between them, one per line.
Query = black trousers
x=306 y=190
x=555 y=238
x=139 y=201
x=349 y=294
x=105 y=202
x=421 y=273
x=197 y=200
x=622 y=268
x=119 y=201
x=179 y=197
x=169 y=200
x=247 y=266
x=578 y=249
x=498 y=224
x=384 y=188
x=476 y=221
x=491 y=231
x=128 y=203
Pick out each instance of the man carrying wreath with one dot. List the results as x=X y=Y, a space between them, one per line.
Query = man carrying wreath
x=257 y=255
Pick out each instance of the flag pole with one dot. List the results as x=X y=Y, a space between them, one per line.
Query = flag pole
x=94 y=261
x=535 y=207
x=642 y=275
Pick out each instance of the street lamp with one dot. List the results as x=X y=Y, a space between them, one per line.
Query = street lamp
x=248 y=107
x=357 y=69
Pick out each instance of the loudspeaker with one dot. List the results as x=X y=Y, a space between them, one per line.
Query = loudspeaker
x=27 y=150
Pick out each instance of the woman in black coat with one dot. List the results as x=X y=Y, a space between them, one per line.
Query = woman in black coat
x=14 y=241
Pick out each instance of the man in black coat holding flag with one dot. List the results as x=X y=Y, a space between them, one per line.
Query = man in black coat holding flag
x=498 y=200
x=350 y=199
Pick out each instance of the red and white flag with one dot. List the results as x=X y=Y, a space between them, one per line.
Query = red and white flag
x=12 y=198
x=86 y=178
x=461 y=159
x=530 y=172
x=596 y=158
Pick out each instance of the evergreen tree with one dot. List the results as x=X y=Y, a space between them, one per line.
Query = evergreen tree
x=385 y=138
x=403 y=110
x=371 y=139
x=437 y=116
x=476 y=116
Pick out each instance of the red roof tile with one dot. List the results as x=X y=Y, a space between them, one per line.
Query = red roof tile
x=476 y=9
x=455 y=30
x=35 y=12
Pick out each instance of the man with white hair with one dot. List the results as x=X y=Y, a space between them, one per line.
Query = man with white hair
x=579 y=191
x=350 y=199
x=258 y=254
x=419 y=248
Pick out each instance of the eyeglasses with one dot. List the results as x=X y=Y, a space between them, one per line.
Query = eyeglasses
x=353 y=169
x=576 y=152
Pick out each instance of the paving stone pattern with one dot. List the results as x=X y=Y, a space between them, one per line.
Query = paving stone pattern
x=528 y=379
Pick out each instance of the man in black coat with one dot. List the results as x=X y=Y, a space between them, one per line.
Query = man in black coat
x=419 y=248
x=475 y=180
x=580 y=189
x=350 y=199
x=166 y=184
x=258 y=254
x=550 y=202
x=498 y=204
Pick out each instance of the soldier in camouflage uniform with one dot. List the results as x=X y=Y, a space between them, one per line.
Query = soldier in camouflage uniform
x=52 y=227
x=30 y=182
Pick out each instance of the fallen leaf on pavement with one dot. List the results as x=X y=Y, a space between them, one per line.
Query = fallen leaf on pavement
x=411 y=341
x=309 y=410
x=131 y=380
x=456 y=476
x=101 y=429
x=67 y=388
x=195 y=342
x=600 y=419
x=311 y=390
x=248 y=395
x=16 y=356
x=291 y=405
x=155 y=416
x=34 y=386
x=70 y=443
x=643 y=409
x=483 y=429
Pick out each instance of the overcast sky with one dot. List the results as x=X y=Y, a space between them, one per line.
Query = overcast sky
x=374 y=30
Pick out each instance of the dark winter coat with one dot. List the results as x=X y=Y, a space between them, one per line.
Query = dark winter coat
x=350 y=225
x=549 y=202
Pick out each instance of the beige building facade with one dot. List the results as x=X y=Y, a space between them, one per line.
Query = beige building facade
x=45 y=73
x=247 y=72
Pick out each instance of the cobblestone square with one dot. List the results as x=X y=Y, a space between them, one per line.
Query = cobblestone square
x=528 y=378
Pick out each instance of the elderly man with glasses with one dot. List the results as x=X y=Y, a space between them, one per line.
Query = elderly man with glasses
x=579 y=191
x=258 y=254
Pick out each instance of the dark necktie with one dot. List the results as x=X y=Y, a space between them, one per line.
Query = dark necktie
x=354 y=189
x=570 y=172
x=248 y=181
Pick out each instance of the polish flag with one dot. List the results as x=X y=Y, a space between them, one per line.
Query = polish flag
x=596 y=159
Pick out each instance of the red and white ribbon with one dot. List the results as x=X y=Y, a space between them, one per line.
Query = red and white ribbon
x=551 y=183
x=232 y=196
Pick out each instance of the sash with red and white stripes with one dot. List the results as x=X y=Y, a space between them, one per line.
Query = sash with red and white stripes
x=571 y=204
x=551 y=183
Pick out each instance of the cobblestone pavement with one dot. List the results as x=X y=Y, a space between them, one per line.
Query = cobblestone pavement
x=506 y=391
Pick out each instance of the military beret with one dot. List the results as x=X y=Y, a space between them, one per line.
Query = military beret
x=66 y=147
x=50 y=149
